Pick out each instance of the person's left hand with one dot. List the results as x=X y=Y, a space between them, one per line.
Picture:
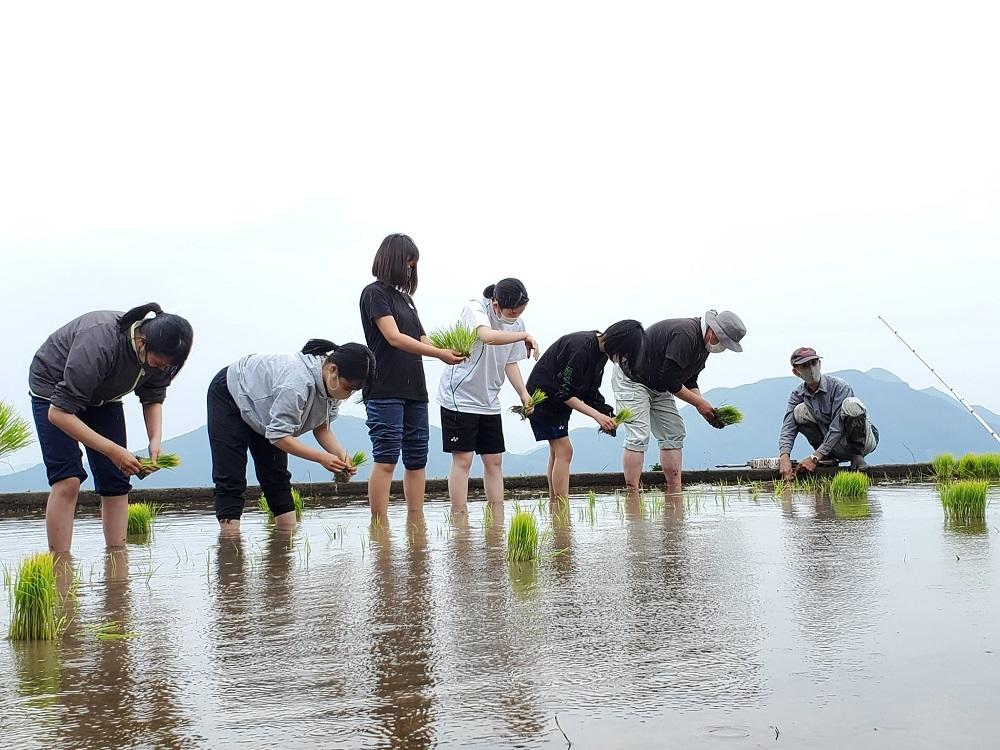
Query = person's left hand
x=807 y=465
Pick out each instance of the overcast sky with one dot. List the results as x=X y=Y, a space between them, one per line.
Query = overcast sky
x=808 y=166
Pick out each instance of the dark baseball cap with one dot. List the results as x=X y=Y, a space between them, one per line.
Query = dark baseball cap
x=804 y=354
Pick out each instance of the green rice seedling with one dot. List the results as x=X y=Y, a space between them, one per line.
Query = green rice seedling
x=979 y=466
x=728 y=415
x=458 y=338
x=522 y=537
x=35 y=616
x=15 y=431
x=356 y=459
x=536 y=398
x=849 y=484
x=487 y=520
x=624 y=416
x=140 y=518
x=965 y=501
x=297 y=502
x=945 y=466
x=779 y=486
x=163 y=461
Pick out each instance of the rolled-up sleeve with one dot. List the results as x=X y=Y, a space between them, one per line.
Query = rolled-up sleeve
x=88 y=364
x=789 y=428
x=285 y=418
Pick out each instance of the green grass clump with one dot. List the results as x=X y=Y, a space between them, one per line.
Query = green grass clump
x=35 y=616
x=140 y=518
x=296 y=501
x=523 y=537
x=849 y=484
x=728 y=415
x=979 y=466
x=458 y=338
x=964 y=501
x=163 y=461
x=536 y=398
x=945 y=466
x=15 y=432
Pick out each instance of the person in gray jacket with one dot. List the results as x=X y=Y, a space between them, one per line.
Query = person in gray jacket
x=77 y=381
x=263 y=403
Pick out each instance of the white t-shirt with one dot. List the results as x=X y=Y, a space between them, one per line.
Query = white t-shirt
x=473 y=386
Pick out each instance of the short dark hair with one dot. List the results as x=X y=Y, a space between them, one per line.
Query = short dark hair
x=166 y=335
x=354 y=361
x=508 y=293
x=625 y=339
x=392 y=263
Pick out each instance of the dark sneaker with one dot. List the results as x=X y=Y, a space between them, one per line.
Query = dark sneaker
x=858 y=463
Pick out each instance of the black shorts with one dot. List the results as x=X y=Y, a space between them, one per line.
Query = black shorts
x=550 y=423
x=462 y=432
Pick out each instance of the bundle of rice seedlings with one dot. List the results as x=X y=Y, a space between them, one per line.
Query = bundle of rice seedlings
x=458 y=338
x=35 y=617
x=163 y=461
x=945 y=466
x=522 y=537
x=536 y=398
x=15 y=431
x=297 y=502
x=359 y=458
x=140 y=518
x=728 y=415
x=981 y=466
x=849 y=484
x=624 y=416
x=965 y=501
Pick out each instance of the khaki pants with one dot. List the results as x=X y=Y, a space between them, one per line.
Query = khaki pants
x=852 y=408
x=655 y=413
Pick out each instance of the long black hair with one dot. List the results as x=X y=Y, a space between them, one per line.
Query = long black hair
x=354 y=361
x=508 y=293
x=167 y=335
x=625 y=339
x=392 y=263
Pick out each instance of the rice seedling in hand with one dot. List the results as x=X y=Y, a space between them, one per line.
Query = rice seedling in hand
x=358 y=458
x=163 y=461
x=15 y=431
x=536 y=398
x=297 y=502
x=458 y=338
x=140 y=518
x=965 y=501
x=849 y=484
x=624 y=416
x=945 y=466
x=522 y=537
x=35 y=616
x=728 y=415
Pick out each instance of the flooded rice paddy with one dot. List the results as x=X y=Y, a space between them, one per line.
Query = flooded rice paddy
x=721 y=620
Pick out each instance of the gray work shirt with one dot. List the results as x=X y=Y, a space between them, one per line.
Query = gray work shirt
x=825 y=404
x=281 y=395
x=90 y=361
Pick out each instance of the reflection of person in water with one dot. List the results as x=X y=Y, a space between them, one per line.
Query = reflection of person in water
x=402 y=641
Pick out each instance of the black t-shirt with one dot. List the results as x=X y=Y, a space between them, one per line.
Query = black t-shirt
x=398 y=374
x=675 y=355
x=572 y=366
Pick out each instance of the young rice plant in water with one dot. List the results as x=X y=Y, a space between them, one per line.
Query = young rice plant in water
x=522 y=537
x=849 y=484
x=140 y=518
x=945 y=466
x=965 y=501
x=34 y=611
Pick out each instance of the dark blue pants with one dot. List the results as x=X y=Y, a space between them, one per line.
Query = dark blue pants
x=397 y=424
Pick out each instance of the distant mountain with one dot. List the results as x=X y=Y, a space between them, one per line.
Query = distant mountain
x=915 y=425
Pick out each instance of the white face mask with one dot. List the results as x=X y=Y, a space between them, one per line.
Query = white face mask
x=809 y=374
x=505 y=319
x=715 y=348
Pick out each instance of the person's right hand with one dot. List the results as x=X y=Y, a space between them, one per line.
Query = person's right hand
x=126 y=461
x=531 y=345
x=332 y=463
x=606 y=423
x=785 y=467
x=451 y=358
x=708 y=412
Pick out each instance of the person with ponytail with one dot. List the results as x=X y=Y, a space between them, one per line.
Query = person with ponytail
x=396 y=398
x=262 y=404
x=77 y=380
x=469 y=392
x=570 y=374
